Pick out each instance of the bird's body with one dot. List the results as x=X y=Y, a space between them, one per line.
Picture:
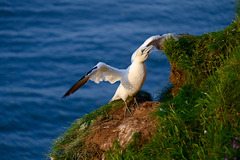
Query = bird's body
x=131 y=82
x=131 y=79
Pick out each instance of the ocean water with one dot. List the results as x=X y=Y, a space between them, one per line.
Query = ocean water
x=46 y=46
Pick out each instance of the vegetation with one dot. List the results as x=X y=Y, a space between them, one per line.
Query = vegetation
x=70 y=145
x=202 y=121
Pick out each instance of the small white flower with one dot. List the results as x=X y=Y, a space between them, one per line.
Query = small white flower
x=162 y=110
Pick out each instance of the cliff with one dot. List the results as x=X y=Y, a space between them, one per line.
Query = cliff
x=198 y=117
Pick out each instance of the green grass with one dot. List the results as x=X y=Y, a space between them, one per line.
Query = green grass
x=201 y=56
x=132 y=151
x=200 y=122
x=70 y=145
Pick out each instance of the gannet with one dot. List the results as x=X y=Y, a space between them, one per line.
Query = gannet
x=131 y=79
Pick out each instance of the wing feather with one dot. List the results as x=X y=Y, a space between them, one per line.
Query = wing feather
x=100 y=72
x=80 y=83
x=106 y=73
x=76 y=86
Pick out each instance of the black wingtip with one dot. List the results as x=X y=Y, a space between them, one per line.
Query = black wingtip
x=64 y=96
x=79 y=84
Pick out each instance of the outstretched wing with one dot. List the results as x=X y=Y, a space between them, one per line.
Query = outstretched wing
x=156 y=41
x=100 y=72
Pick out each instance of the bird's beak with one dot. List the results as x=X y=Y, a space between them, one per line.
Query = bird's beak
x=147 y=50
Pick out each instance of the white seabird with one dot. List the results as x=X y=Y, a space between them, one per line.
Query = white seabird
x=131 y=79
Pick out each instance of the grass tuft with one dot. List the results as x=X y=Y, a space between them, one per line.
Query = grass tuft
x=71 y=144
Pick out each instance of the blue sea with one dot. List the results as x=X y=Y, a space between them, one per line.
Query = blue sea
x=47 y=46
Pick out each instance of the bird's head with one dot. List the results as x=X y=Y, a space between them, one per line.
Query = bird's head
x=143 y=54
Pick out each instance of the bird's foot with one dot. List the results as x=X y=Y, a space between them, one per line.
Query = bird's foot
x=135 y=101
x=125 y=113
x=128 y=111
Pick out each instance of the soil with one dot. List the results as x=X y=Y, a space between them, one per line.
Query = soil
x=122 y=128
x=177 y=78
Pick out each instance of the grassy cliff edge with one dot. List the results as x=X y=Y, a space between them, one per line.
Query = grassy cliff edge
x=198 y=117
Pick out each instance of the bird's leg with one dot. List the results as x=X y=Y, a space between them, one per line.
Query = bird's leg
x=127 y=109
x=135 y=100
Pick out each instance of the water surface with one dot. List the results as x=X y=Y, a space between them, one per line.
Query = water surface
x=46 y=46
